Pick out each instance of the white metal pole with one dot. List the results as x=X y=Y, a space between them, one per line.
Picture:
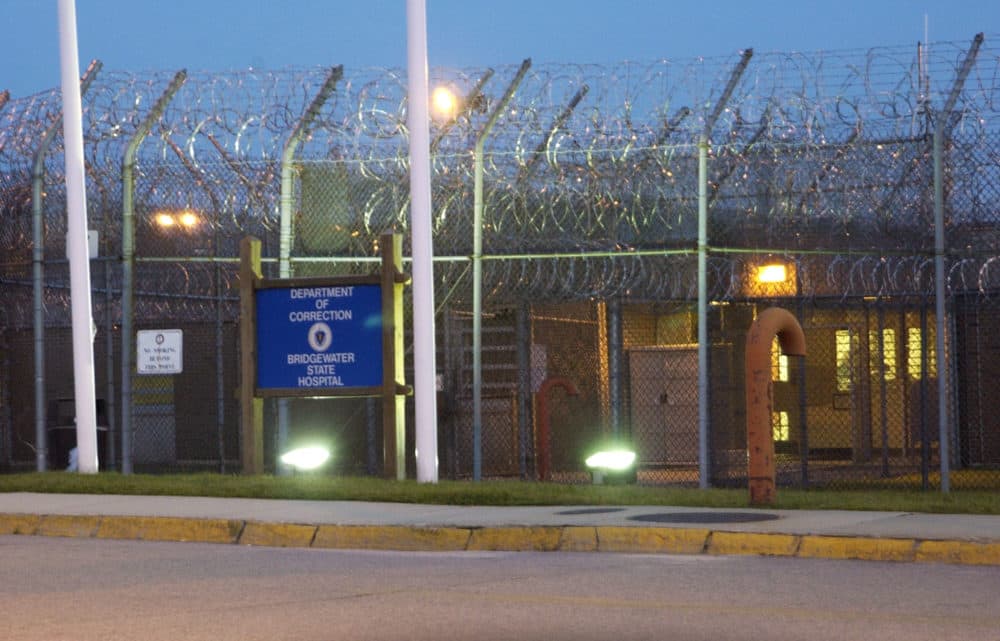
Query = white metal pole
x=424 y=369
x=477 y=311
x=76 y=243
x=704 y=470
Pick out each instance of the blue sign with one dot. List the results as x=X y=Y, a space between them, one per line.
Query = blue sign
x=316 y=338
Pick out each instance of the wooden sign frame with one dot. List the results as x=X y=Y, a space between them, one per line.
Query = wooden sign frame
x=393 y=389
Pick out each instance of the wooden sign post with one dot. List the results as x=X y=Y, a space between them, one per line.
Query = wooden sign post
x=323 y=337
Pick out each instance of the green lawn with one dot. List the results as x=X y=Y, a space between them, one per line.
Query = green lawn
x=959 y=501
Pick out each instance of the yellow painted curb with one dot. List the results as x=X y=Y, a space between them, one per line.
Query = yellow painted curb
x=19 y=523
x=753 y=543
x=965 y=552
x=651 y=539
x=164 y=528
x=578 y=539
x=519 y=539
x=277 y=534
x=510 y=538
x=392 y=537
x=848 y=547
x=62 y=525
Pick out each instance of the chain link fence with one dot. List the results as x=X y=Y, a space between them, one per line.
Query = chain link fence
x=626 y=209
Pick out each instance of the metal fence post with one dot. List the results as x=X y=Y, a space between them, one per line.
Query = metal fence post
x=287 y=200
x=704 y=462
x=128 y=259
x=941 y=129
x=477 y=275
x=615 y=356
x=38 y=271
x=524 y=386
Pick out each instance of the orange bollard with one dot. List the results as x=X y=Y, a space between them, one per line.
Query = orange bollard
x=772 y=322
x=544 y=456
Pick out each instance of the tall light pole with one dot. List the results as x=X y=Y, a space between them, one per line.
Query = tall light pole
x=77 y=247
x=424 y=369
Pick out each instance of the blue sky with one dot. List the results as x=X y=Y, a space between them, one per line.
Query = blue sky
x=137 y=35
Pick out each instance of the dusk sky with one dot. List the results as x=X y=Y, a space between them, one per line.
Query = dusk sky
x=209 y=35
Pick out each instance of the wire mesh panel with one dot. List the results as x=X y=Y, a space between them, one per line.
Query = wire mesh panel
x=567 y=347
x=660 y=348
x=978 y=437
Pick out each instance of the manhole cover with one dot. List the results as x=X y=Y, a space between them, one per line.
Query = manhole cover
x=704 y=517
x=591 y=510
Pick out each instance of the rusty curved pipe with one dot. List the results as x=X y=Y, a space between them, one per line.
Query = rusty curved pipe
x=544 y=452
x=772 y=322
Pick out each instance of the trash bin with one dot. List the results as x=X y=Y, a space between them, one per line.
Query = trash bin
x=61 y=432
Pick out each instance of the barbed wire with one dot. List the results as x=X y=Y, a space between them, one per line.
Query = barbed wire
x=591 y=185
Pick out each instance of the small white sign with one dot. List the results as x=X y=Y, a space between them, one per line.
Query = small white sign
x=159 y=351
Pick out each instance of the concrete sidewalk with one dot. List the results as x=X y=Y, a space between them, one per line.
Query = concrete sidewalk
x=882 y=536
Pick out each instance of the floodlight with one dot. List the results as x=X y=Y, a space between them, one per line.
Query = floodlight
x=444 y=101
x=614 y=460
x=614 y=464
x=165 y=220
x=189 y=219
x=306 y=458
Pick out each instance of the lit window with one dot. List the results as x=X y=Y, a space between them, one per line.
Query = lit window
x=775 y=273
x=779 y=362
x=843 y=352
x=888 y=353
x=780 y=425
x=914 y=350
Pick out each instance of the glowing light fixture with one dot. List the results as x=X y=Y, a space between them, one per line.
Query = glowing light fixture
x=306 y=458
x=444 y=102
x=188 y=218
x=613 y=460
x=612 y=465
x=772 y=273
x=165 y=220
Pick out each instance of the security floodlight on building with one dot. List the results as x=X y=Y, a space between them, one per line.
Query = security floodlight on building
x=187 y=219
x=612 y=465
x=306 y=458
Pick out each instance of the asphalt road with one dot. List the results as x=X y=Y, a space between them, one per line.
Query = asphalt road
x=85 y=589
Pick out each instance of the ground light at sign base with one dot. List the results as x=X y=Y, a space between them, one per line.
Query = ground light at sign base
x=306 y=458
x=612 y=465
